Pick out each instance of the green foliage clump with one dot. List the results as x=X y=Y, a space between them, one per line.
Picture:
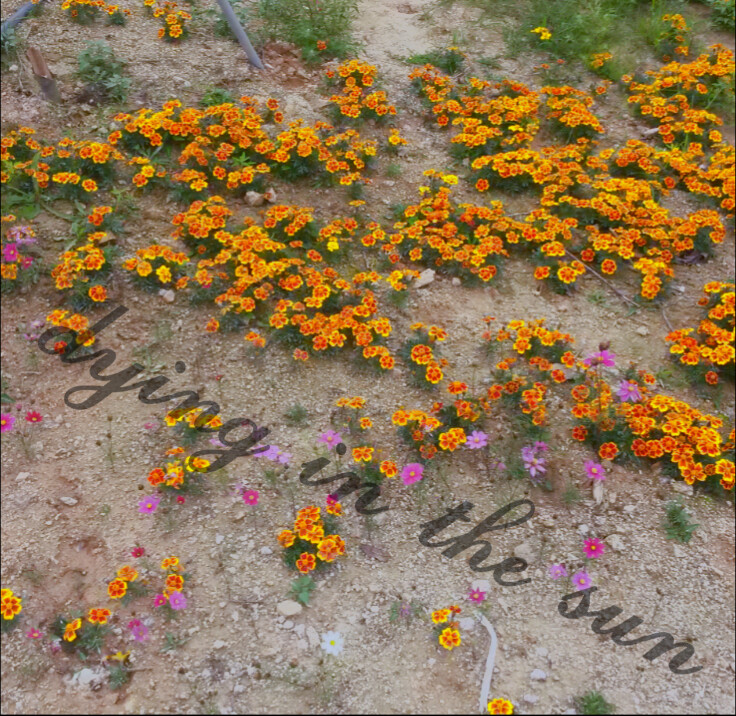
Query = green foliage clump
x=677 y=523
x=102 y=72
x=593 y=703
x=309 y=22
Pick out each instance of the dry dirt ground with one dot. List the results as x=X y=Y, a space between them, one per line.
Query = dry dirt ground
x=239 y=655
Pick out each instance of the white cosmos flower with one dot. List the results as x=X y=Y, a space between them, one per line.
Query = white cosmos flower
x=332 y=642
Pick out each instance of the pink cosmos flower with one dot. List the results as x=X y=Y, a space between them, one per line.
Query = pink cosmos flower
x=180 y=499
x=557 y=571
x=330 y=438
x=412 y=473
x=177 y=601
x=628 y=390
x=477 y=440
x=138 y=630
x=6 y=422
x=34 y=633
x=594 y=471
x=33 y=416
x=475 y=595
x=148 y=505
x=593 y=548
x=581 y=579
x=604 y=357
x=159 y=600
x=137 y=552
x=250 y=497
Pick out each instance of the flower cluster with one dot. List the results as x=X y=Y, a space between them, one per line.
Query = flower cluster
x=83 y=11
x=356 y=100
x=569 y=112
x=16 y=265
x=172 y=595
x=313 y=542
x=446 y=628
x=173 y=21
x=711 y=350
x=676 y=93
x=648 y=425
x=10 y=606
x=421 y=354
x=156 y=266
x=76 y=322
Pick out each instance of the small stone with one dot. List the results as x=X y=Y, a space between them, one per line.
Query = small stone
x=616 y=542
x=583 y=529
x=289 y=608
x=219 y=644
x=71 y=501
x=542 y=652
x=525 y=551
x=683 y=488
x=253 y=198
x=299 y=629
x=538 y=675
x=456 y=281
x=288 y=624
x=313 y=636
x=167 y=294
x=425 y=278
x=642 y=331
x=13 y=68
x=266 y=550
x=219 y=539
x=530 y=698
x=467 y=624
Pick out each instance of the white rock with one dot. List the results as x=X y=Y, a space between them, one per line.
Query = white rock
x=313 y=636
x=288 y=624
x=219 y=644
x=530 y=698
x=299 y=629
x=71 y=501
x=425 y=278
x=289 y=608
x=616 y=542
x=642 y=331
x=456 y=281
x=253 y=198
x=467 y=624
x=266 y=550
x=583 y=529
x=538 y=675
x=541 y=651
x=525 y=551
x=167 y=294
x=219 y=539
x=683 y=488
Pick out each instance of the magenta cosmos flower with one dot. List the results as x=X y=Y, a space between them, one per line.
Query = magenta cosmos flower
x=250 y=497
x=137 y=552
x=177 y=600
x=594 y=471
x=581 y=579
x=628 y=390
x=148 y=505
x=159 y=600
x=34 y=633
x=604 y=357
x=138 y=630
x=412 y=473
x=557 y=571
x=6 y=422
x=33 y=416
x=476 y=440
x=593 y=548
x=477 y=596
x=330 y=438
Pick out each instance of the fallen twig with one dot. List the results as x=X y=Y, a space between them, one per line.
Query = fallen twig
x=622 y=296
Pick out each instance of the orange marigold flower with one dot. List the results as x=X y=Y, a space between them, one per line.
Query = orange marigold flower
x=608 y=451
x=117 y=588
x=127 y=573
x=450 y=638
x=286 y=538
x=175 y=582
x=306 y=562
x=98 y=616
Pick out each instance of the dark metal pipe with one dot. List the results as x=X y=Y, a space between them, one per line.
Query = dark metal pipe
x=17 y=16
x=239 y=33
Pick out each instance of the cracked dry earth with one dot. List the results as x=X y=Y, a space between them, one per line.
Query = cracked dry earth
x=69 y=504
